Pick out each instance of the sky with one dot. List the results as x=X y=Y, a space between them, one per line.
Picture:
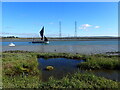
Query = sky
x=26 y=19
x=60 y=0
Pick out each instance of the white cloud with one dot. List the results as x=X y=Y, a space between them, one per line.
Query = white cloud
x=85 y=26
x=97 y=27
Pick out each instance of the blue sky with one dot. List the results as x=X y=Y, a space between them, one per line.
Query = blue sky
x=25 y=19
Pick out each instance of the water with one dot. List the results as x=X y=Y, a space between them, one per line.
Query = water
x=109 y=74
x=62 y=66
x=82 y=47
x=96 y=42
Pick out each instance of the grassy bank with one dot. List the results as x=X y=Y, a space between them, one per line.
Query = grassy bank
x=19 y=63
x=101 y=62
x=20 y=70
x=79 y=80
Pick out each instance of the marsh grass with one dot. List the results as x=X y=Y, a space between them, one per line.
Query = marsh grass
x=101 y=62
x=18 y=63
x=0 y=75
x=79 y=80
x=61 y=55
x=20 y=70
x=21 y=81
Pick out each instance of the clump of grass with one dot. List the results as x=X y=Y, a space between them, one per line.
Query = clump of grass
x=21 y=81
x=18 y=63
x=79 y=80
x=76 y=80
x=100 y=62
x=20 y=70
x=60 y=55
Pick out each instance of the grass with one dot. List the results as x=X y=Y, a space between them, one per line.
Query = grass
x=19 y=63
x=59 y=55
x=101 y=62
x=20 y=70
x=79 y=80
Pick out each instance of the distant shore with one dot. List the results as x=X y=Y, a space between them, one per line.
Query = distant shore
x=60 y=39
x=97 y=37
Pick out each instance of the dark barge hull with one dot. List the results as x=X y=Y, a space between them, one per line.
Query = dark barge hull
x=40 y=42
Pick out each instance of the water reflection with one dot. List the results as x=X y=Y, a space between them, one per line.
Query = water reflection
x=109 y=74
x=63 y=66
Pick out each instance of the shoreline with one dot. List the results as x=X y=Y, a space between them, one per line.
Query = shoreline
x=55 y=39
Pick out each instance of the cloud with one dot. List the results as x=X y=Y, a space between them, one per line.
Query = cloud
x=97 y=27
x=85 y=26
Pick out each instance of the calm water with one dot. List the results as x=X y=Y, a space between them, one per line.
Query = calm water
x=63 y=66
x=82 y=47
x=100 y=42
x=109 y=74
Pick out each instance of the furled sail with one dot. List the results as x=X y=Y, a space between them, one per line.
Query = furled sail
x=42 y=33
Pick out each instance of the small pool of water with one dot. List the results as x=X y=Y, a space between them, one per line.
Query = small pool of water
x=109 y=74
x=62 y=66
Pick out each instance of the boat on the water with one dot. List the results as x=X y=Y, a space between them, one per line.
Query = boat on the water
x=43 y=38
x=11 y=45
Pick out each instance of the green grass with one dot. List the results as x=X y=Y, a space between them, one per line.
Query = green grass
x=101 y=62
x=76 y=80
x=59 y=55
x=21 y=81
x=79 y=80
x=20 y=70
x=19 y=63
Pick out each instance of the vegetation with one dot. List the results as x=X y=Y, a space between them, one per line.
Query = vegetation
x=20 y=70
x=101 y=62
x=19 y=63
x=79 y=80
x=10 y=37
x=49 y=68
x=0 y=73
x=63 y=55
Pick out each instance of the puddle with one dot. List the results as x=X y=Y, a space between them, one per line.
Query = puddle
x=62 y=66
x=109 y=74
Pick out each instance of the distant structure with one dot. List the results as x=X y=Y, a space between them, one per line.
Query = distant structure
x=59 y=28
x=75 y=29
